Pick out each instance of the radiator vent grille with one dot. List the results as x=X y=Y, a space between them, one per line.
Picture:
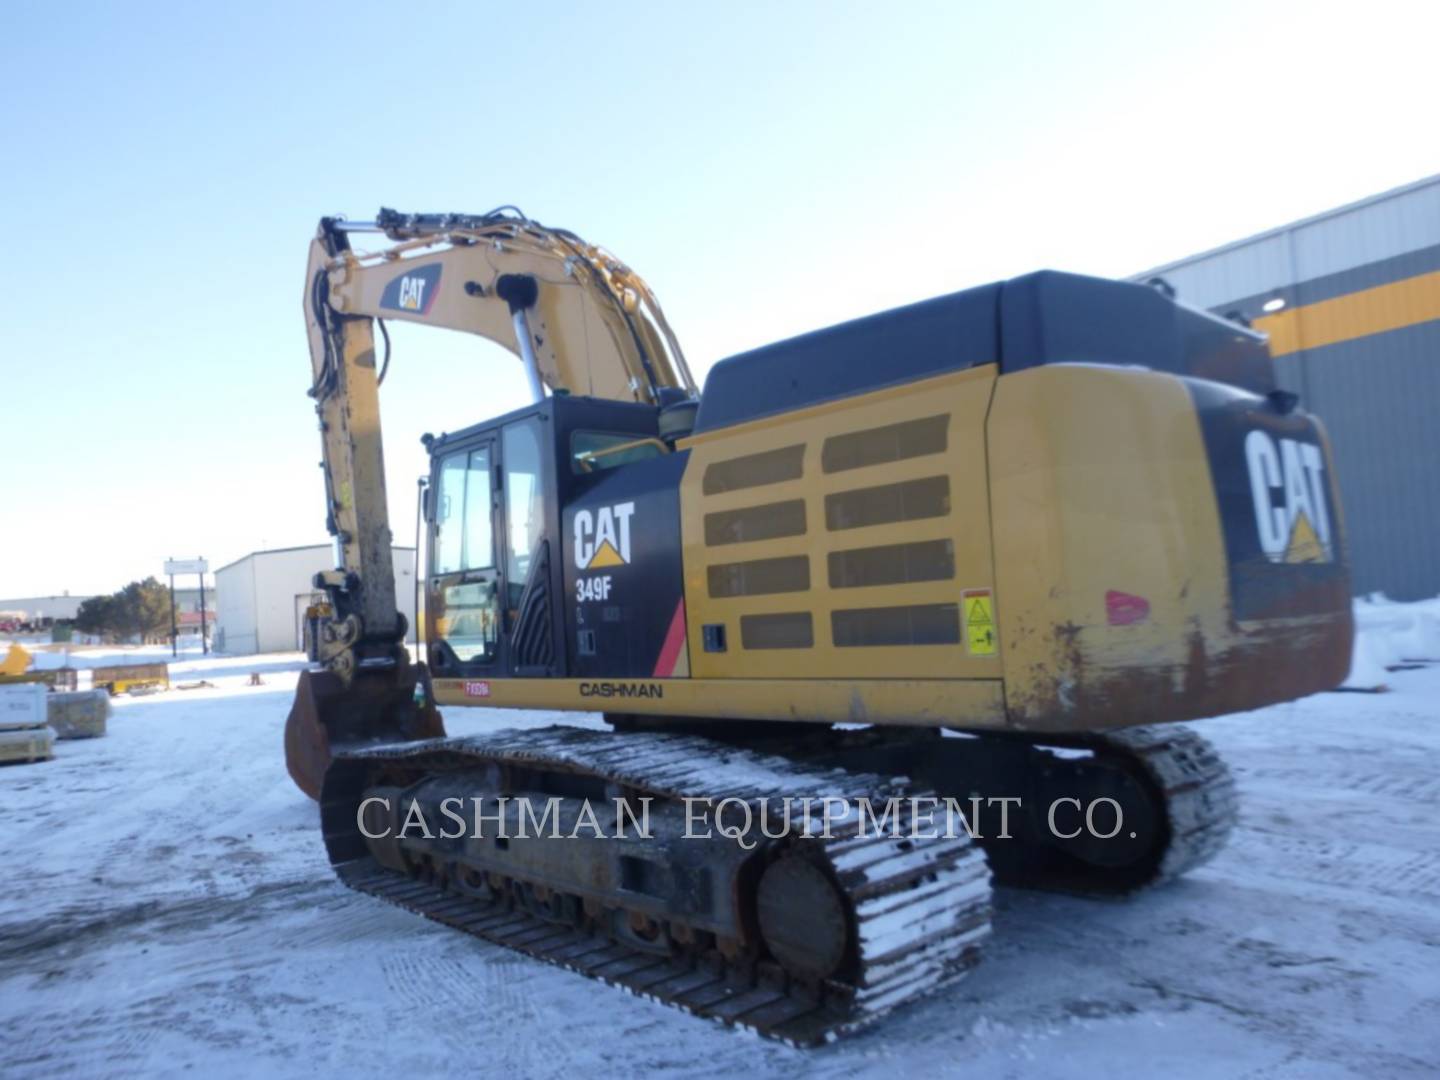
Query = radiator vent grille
x=789 y=630
x=893 y=564
x=754 y=470
x=748 y=524
x=893 y=442
x=921 y=624
x=884 y=504
x=760 y=577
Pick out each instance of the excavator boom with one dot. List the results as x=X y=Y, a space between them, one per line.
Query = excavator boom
x=581 y=322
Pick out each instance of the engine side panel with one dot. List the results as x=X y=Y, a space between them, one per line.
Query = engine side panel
x=841 y=540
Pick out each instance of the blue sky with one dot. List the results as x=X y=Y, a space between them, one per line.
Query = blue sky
x=769 y=168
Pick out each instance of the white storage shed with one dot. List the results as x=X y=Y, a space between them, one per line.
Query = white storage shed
x=261 y=598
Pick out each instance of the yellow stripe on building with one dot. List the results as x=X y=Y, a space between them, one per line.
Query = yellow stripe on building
x=1354 y=315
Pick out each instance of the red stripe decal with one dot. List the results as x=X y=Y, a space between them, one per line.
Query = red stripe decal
x=674 y=642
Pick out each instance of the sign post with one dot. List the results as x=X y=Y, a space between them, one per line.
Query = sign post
x=174 y=630
x=187 y=566
x=204 y=626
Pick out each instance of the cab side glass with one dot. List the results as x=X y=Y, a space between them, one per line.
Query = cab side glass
x=524 y=503
x=479 y=550
x=449 y=512
x=594 y=451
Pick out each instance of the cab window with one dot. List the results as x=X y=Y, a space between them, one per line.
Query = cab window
x=524 y=503
x=592 y=451
x=463 y=536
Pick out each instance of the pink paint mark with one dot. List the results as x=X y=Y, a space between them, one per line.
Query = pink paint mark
x=1124 y=609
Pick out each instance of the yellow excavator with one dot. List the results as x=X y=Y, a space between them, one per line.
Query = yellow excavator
x=976 y=554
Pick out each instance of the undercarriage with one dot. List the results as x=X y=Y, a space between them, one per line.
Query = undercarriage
x=794 y=880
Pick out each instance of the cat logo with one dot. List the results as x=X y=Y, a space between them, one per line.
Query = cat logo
x=1296 y=527
x=602 y=538
x=413 y=291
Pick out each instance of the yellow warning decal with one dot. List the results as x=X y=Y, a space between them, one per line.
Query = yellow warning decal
x=981 y=634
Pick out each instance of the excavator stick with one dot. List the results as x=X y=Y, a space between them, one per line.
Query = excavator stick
x=328 y=718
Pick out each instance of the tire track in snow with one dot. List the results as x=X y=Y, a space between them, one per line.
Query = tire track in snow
x=1362 y=867
x=33 y=941
x=489 y=985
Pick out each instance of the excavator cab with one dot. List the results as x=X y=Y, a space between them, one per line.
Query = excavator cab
x=488 y=585
x=502 y=506
x=499 y=521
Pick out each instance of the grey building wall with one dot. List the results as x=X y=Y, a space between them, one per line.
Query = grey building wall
x=1355 y=322
x=262 y=597
x=45 y=607
x=236 y=630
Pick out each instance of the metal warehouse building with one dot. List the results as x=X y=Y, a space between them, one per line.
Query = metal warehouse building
x=261 y=598
x=1351 y=301
x=44 y=608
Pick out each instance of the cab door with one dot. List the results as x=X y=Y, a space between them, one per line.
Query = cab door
x=528 y=572
x=463 y=584
x=492 y=577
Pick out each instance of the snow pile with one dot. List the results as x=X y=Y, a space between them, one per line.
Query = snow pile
x=49 y=661
x=1389 y=634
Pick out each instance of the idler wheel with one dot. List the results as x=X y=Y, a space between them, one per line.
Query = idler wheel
x=803 y=918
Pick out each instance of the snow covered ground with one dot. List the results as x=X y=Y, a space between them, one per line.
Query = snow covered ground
x=167 y=910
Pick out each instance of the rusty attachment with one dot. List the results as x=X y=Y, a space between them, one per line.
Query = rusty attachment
x=328 y=717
